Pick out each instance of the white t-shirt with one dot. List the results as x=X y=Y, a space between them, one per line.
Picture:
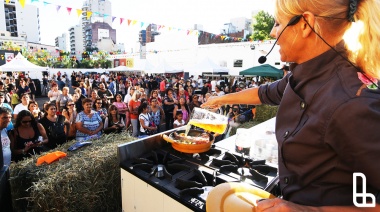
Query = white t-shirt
x=146 y=119
x=200 y=83
x=221 y=93
x=54 y=94
x=176 y=122
x=19 y=108
x=127 y=98
x=6 y=147
x=213 y=85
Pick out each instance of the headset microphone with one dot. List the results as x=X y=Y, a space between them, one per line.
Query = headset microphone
x=292 y=22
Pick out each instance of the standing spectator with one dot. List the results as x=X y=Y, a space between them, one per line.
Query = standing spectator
x=155 y=95
x=54 y=93
x=75 y=83
x=23 y=88
x=104 y=93
x=60 y=83
x=121 y=106
x=128 y=97
x=22 y=106
x=121 y=89
x=133 y=106
x=32 y=88
x=15 y=99
x=5 y=120
x=35 y=110
x=169 y=104
x=218 y=91
x=184 y=108
x=62 y=99
x=4 y=92
x=88 y=122
x=200 y=82
x=94 y=96
x=45 y=87
x=156 y=112
x=194 y=103
x=55 y=126
x=163 y=87
x=179 y=122
x=6 y=105
x=112 y=86
x=83 y=88
x=145 y=121
x=88 y=89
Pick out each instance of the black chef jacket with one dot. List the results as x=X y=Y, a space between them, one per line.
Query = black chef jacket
x=327 y=128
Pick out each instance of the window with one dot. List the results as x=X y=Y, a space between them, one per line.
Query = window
x=238 y=63
x=2 y=34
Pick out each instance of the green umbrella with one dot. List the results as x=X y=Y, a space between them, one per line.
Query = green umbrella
x=264 y=71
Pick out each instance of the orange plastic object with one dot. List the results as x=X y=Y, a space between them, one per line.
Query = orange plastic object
x=50 y=158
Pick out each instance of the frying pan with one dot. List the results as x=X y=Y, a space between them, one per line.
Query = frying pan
x=189 y=148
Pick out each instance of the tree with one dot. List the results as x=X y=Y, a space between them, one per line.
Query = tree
x=263 y=26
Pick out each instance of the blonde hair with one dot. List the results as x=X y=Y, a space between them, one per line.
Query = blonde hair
x=333 y=16
x=134 y=96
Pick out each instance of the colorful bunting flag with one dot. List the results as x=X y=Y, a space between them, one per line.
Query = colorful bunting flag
x=22 y=2
x=46 y=3
x=142 y=24
x=105 y=15
x=129 y=22
x=69 y=10
x=7 y=1
x=79 y=12
x=58 y=7
x=134 y=22
x=121 y=20
x=88 y=14
x=113 y=18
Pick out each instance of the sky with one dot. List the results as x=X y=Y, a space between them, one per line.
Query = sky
x=212 y=14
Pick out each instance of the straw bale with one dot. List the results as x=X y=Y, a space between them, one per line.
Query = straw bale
x=88 y=179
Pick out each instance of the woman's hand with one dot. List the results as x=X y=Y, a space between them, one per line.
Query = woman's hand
x=212 y=102
x=278 y=204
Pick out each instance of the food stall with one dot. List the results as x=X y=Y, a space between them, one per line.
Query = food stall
x=151 y=169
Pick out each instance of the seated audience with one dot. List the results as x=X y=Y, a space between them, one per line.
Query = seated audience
x=88 y=122
x=28 y=136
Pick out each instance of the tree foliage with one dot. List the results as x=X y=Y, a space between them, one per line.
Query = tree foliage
x=263 y=26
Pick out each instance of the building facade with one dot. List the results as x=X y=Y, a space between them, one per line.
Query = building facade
x=5 y=36
x=20 y=21
x=61 y=42
x=76 y=41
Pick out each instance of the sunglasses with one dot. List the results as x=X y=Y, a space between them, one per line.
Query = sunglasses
x=99 y=103
x=24 y=122
x=71 y=105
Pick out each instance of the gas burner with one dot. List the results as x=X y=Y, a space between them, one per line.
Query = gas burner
x=245 y=169
x=201 y=158
x=159 y=165
x=198 y=184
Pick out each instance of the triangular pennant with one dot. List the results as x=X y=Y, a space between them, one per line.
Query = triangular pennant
x=113 y=18
x=129 y=22
x=7 y=1
x=69 y=10
x=79 y=12
x=88 y=14
x=45 y=3
x=170 y=28
x=142 y=24
x=121 y=20
x=134 y=22
x=105 y=15
x=159 y=27
x=188 y=32
x=58 y=7
x=96 y=13
x=22 y=2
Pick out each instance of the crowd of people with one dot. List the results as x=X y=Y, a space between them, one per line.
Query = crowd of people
x=100 y=103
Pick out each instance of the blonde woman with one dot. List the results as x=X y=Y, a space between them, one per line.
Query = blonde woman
x=327 y=125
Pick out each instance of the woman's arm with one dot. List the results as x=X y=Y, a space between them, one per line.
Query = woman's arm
x=43 y=134
x=175 y=110
x=247 y=96
x=79 y=126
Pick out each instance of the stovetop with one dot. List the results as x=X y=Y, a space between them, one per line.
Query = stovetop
x=188 y=177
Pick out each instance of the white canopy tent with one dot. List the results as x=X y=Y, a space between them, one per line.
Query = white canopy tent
x=163 y=68
x=139 y=65
x=206 y=66
x=20 y=63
